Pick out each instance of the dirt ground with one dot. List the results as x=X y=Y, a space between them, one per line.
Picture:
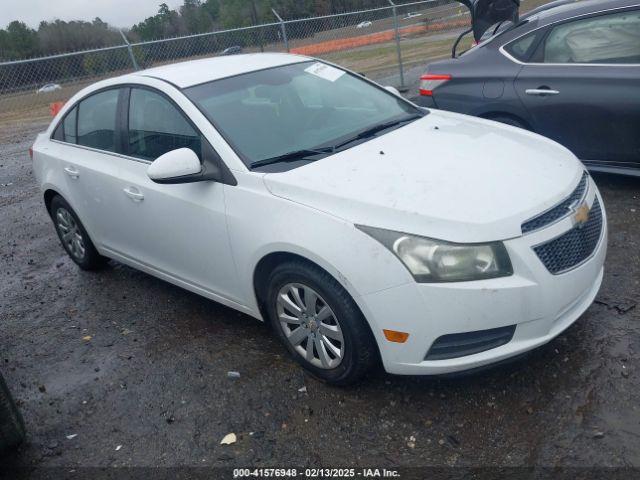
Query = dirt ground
x=118 y=368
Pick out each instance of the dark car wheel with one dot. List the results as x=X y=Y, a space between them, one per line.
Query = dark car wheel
x=74 y=237
x=12 y=431
x=319 y=323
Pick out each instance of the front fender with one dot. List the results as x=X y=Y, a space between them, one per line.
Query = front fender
x=260 y=223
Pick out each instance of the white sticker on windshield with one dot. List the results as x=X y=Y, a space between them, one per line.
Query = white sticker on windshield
x=325 y=71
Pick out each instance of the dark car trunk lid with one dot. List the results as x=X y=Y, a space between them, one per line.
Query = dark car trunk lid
x=486 y=13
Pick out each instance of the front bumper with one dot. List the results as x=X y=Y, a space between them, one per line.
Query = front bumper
x=540 y=304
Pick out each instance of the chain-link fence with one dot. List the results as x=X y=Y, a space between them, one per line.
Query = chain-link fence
x=381 y=43
x=389 y=44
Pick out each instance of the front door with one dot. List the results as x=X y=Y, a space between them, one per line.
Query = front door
x=582 y=88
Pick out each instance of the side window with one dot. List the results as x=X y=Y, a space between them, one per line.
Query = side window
x=520 y=48
x=66 y=129
x=69 y=124
x=157 y=127
x=97 y=120
x=613 y=38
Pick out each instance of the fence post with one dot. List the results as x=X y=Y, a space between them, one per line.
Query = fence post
x=396 y=26
x=130 y=50
x=283 y=29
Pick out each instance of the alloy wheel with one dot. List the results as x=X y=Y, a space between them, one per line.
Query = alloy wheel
x=310 y=325
x=70 y=233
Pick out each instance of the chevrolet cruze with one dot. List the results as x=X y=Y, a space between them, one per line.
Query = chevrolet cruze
x=363 y=228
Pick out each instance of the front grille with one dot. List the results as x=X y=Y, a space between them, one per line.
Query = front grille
x=462 y=344
x=574 y=247
x=559 y=211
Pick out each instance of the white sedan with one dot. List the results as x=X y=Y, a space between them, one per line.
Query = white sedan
x=363 y=228
x=364 y=24
x=48 y=88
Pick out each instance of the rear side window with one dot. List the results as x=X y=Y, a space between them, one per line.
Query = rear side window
x=521 y=48
x=69 y=127
x=156 y=126
x=66 y=129
x=612 y=39
x=97 y=120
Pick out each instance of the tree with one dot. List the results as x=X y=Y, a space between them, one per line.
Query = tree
x=60 y=36
x=194 y=16
x=18 y=41
x=166 y=23
x=212 y=8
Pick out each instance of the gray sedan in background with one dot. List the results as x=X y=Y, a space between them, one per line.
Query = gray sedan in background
x=568 y=70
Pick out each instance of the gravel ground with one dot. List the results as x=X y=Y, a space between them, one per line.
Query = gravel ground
x=119 y=358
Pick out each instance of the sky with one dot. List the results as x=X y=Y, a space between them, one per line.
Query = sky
x=119 y=13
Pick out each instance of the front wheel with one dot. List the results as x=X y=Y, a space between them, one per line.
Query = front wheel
x=319 y=323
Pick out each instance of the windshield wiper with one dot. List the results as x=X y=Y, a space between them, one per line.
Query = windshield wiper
x=371 y=132
x=293 y=156
x=306 y=153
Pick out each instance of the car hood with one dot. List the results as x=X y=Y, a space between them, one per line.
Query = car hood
x=445 y=176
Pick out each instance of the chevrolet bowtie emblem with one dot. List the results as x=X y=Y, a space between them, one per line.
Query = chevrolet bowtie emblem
x=582 y=214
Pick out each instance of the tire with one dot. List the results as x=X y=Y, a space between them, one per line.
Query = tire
x=73 y=236
x=12 y=431
x=514 y=122
x=357 y=352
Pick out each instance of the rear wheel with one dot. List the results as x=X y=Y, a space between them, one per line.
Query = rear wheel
x=74 y=237
x=12 y=431
x=319 y=323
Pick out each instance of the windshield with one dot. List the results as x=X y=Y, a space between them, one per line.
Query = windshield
x=309 y=106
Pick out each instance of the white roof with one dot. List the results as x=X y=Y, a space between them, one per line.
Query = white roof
x=194 y=72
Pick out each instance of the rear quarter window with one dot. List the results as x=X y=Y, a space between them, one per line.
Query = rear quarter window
x=70 y=127
x=521 y=48
x=66 y=131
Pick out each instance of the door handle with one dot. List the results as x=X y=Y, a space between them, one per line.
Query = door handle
x=134 y=194
x=72 y=172
x=541 y=92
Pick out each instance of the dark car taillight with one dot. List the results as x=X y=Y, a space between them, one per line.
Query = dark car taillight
x=429 y=82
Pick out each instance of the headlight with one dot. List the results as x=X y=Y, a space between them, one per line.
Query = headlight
x=434 y=261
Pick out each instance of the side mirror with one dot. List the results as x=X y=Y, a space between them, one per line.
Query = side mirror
x=393 y=90
x=177 y=166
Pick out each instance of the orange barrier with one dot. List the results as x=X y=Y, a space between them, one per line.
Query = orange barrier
x=371 y=39
x=55 y=107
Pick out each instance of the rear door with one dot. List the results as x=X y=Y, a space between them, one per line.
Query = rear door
x=582 y=87
x=86 y=144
